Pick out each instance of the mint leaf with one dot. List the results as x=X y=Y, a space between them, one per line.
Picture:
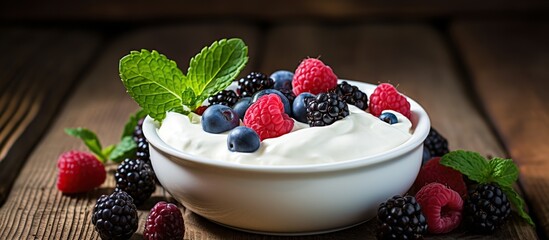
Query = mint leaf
x=214 y=68
x=108 y=150
x=153 y=81
x=129 y=127
x=471 y=164
x=503 y=171
x=124 y=149
x=518 y=202
x=90 y=139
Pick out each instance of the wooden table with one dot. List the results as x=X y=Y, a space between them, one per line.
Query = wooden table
x=485 y=85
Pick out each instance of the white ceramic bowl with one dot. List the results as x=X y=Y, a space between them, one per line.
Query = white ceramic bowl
x=289 y=200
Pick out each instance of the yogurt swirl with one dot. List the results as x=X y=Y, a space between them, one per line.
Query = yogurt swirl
x=357 y=135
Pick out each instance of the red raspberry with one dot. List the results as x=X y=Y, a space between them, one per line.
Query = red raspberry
x=267 y=118
x=164 y=222
x=200 y=110
x=441 y=206
x=433 y=171
x=384 y=97
x=314 y=77
x=79 y=172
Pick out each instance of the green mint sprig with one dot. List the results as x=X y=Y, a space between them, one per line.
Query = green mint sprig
x=159 y=86
x=126 y=148
x=504 y=172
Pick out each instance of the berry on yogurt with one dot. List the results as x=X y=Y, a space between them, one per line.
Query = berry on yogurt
x=282 y=79
x=299 y=106
x=243 y=139
x=219 y=118
x=283 y=98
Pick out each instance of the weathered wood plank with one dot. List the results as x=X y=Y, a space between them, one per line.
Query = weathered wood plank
x=508 y=67
x=415 y=58
x=37 y=68
x=120 y=10
x=35 y=208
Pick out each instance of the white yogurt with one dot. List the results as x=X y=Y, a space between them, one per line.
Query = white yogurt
x=359 y=134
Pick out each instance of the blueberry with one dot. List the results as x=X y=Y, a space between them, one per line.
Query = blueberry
x=299 y=107
x=219 y=118
x=242 y=105
x=388 y=117
x=287 y=106
x=282 y=79
x=242 y=139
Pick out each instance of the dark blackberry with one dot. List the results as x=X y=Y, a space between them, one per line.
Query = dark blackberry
x=225 y=97
x=351 y=95
x=115 y=216
x=143 y=150
x=400 y=218
x=486 y=208
x=289 y=94
x=325 y=109
x=135 y=177
x=252 y=83
x=138 y=130
x=436 y=143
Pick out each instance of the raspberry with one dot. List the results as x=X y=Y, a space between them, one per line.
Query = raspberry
x=266 y=117
x=79 y=172
x=433 y=171
x=200 y=110
x=314 y=77
x=441 y=206
x=164 y=222
x=384 y=97
x=115 y=216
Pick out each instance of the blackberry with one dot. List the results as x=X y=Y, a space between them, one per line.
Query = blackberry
x=325 y=109
x=225 y=97
x=254 y=82
x=115 y=216
x=351 y=95
x=486 y=208
x=289 y=94
x=135 y=177
x=436 y=143
x=138 y=130
x=143 y=150
x=400 y=218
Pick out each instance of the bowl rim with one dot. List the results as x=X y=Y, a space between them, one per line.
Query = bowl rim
x=420 y=119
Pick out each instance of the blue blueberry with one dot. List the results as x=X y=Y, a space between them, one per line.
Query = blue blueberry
x=282 y=79
x=243 y=139
x=287 y=106
x=388 y=117
x=299 y=107
x=219 y=118
x=242 y=105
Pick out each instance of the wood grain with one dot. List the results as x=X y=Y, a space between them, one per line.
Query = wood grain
x=32 y=86
x=415 y=58
x=35 y=208
x=271 y=11
x=508 y=67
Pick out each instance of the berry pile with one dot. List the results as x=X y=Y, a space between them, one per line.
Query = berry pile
x=269 y=106
x=400 y=218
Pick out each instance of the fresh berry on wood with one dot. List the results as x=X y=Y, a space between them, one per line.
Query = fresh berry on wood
x=433 y=171
x=79 y=172
x=441 y=206
x=115 y=216
x=135 y=177
x=487 y=208
x=164 y=222
x=436 y=143
x=400 y=218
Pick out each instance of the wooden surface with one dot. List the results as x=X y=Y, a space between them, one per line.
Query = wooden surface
x=417 y=57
